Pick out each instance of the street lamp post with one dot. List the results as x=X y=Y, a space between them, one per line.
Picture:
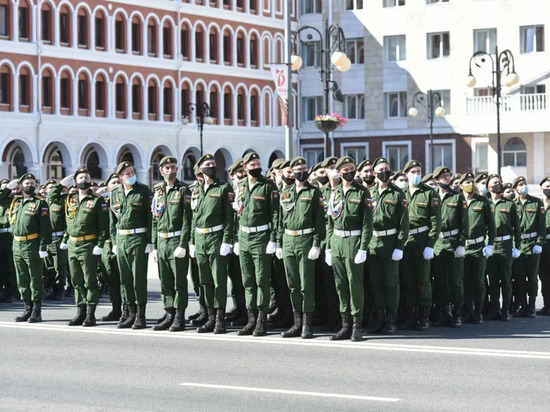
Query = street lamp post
x=503 y=63
x=202 y=117
x=433 y=104
x=332 y=52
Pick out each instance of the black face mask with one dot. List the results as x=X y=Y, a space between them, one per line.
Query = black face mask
x=301 y=176
x=255 y=172
x=83 y=185
x=512 y=196
x=170 y=177
x=349 y=176
x=384 y=176
x=497 y=189
x=444 y=186
x=289 y=181
x=546 y=192
x=369 y=180
x=209 y=171
x=29 y=190
x=322 y=179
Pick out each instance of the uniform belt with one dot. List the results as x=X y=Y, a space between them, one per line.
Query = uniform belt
x=382 y=233
x=82 y=238
x=255 y=229
x=5 y=229
x=347 y=233
x=25 y=238
x=57 y=234
x=209 y=229
x=450 y=233
x=418 y=230
x=503 y=238
x=131 y=231
x=168 y=235
x=470 y=242
x=529 y=235
x=298 y=232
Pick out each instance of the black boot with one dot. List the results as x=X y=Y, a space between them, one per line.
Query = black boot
x=345 y=332
x=162 y=318
x=26 y=312
x=389 y=327
x=78 y=320
x=295 y=330
x=505 y=315
x=90 y=316
x=140 y=322
x=250 y=325
x=357 y=332
x=493 y=313
x=411 y=319
x=234 y=313
x=114 y=314
x=423 y=318
x=220 y=327
x=125 y=313
x=478 y=314
x=307 y=323
x=168 y=319
x=242 y=320
x=201 y=319
x=456 y=321
x=130 y=319
x=210 y=324
x=178 y=324
x=545 y=311
x=261 y=324
x=531 y=309
x=442 y=316
x=377 y=325
x=333 y=319
x=36 y=314
x=284 y=318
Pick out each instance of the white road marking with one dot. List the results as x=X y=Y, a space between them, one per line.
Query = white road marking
x=369 y=344
x=287 y=392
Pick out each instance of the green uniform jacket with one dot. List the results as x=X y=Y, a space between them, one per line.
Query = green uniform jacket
x=532 y=219
x=31 y=216
x=259 y=205
x=351 y=211
x=213 y=208
x=56 y=203
x=424 y=210
x=131 y=211
x=171 y=209
x=481 y=223
x=87 y=216
x=390 y=211
x=5 y=203
x=507 y=221
x=302 y=210
x=547 y=223
x=454 y=215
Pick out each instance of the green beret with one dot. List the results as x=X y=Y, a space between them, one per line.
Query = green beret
x=27 y=176
x=465 y=176
x=329 y=161
x=427 y=177
x=440 y=170
x=397 y=175
x=507 y=186
x=344 y=160
x=102 y=184
x=517 y=180
x=364 y=163
x=316 y=167
x=546 y=179
x=237 y=164
x=380 y=160
x=4 y=181
x=50 y=182
x=277 y=163
x=111 y=177
x=491 y=176
x=196 y=170
x=80 y=171
x=168 y=159
x=410 y=164
x=93 y=184
x=204 y=158
x=457 y=176
x=122 y=166
x=250 y=156
x=482 y=176
x=297 y=161
x=285 y=164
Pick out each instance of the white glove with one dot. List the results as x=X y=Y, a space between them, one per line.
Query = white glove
x=155 y=255
x=487 y=251
x=191 y=251
x=179 y=253
x=63 y=246
x=225 y=248
x=114 y=250
x=314 y=253
x=537 y=250
x=360 y=257
x=279 y=253
x=101 y=190
x=13 y=184
x=97 y=251
x=236 y=248
x=428 y=253
x=67 y=181
x=271 y=248
x=397 y=254
x=148 y=248
x=328 y=257
x=460 y=252
x=43 y=254
x=515 y=253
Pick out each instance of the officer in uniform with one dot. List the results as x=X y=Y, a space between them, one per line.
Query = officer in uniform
x=130 y=227
x=258 y=201
x=544 y=266
x=171 y=228
x=481 y=184
x=481 y=228
x=455 y=182
x=32 y=233
x=301 y=230
x=211 y=237
x=8 y=281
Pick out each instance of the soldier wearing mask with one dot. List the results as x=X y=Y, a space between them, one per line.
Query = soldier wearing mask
x=481 y=184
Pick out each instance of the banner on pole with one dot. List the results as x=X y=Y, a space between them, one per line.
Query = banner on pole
x=279 y=72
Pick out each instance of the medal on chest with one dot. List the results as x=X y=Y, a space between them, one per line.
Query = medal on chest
x=286 y=202
x=157 y=205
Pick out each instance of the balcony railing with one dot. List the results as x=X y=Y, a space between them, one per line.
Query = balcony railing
x=513 y=103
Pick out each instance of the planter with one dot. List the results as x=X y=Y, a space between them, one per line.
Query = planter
x=326 y=125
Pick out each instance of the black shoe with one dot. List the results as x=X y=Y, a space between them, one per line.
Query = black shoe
x=389 y=328
x=411 y=319
x=505 y=315
x=90 y=316
x=140 y=322
x=210 y=324
x=168 y=319
x=178 y=324
x=345 y=332
x=220 y=327
x=423 y=318
x=530 y=312
x=26 y=312
x=201 y=319
x=261 y=324
x=284 y=318
x=36 y=315
x=296 y=329
x=307 y=325
x=130 y=319
x=521 y=313
x=113 y=315
x=250 y=325
x=545 y=311
x=377 y=325
x=357 y=331
x=78 y=320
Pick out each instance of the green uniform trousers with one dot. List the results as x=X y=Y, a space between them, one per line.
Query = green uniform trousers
x=384 y=277
x=474 y=280
x=234 y=273
x=525 y=277
x=256 y=269
x=173 y=274
x=300 y=272
x=348 y=276
x=109 y=267
x=499 y=270
x=28 y=268
x=279 y=282
x=212 y=269
x=544 y=274
x=449 y=279
x=8 y=279
x=415 y=272
x=58 y=260
x=83 y=264
x=132 y=265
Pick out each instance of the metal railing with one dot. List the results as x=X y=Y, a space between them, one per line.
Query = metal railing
x=534 y=102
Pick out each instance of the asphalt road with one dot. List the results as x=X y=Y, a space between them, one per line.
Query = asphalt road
x=51 y=366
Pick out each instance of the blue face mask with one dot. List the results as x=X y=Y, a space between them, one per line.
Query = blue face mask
x=105 y=194
x=402 y=185
x=131 y=180
x=524 y=190
x=484 y=190
x=436 y=188
x=415 y=181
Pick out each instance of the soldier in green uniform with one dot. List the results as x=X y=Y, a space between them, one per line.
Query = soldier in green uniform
x=449 y=253
x=211 y=237
x=533 y=227
x=171 y=228
x=390 y=233
x=481 y=184
x=30 y=224
x=301 y=230
x=258 y=204
x=455 y=182
x=130 y=228
x=8 y=281
x=544 y=266
x=424 y=227
x=479 y=246
x=507 y=246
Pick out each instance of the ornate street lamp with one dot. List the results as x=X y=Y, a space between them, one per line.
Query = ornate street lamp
x=202 y=117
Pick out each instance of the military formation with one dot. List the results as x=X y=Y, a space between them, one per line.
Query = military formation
x=350 y=248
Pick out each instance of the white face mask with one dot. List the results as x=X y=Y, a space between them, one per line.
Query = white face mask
x=333 y=174
x=402 y=184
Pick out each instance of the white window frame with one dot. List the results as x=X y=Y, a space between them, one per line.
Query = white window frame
x=387 y=106
x=491 y=42
x=358 y=115
x=407 y=143
x=359 y=57
x=523 y=30
x=346 y=145
x=393 y=3
x=476 y=141
x=354 y=4
x=313 y=7
x=430 y=45
x=440 y=142
x=305 y=147
x=398 y=51
x=318 y=107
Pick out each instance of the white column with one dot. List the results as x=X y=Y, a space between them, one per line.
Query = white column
x=539 y=166
x=92 y=98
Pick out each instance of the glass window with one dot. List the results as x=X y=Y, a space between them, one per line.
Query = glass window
x=396 y=105
x=311 y=6
x=4 y=88
x=83 y=30
x=64 y=28
x=311 y=107
x=393 y=3
x=3 y=20
x=100 y=95
x=532 y=39
x=64 y=93
x=24 y=89
x=83 y=94
x=443 y=155
x=354 y=4
x=314 y=156
x=23 y=23
x=199 y=54
x=355 y=106
x=482 y=157
x=397 y=155
x=395 y=48
x=136 y=37
x=136 y=98
x=514 y=153
x=119 y=35
x=310 y=54
x=46 y=19
x=485 y=40
x=445 y=102
x=358 y=153
x=355 y=51
x=167 y=41
x=438 y=45
x=152 y=100
x=151 y=39
x=100 y=32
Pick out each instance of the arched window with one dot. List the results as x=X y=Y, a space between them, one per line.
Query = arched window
x=83 y=33
x=167 y=40
x=120 y=33
x=24 y=20
x=120 y=98
x=100 y=31
x=46 y=23
x=47 y=92
x=54 y=160
x=254 y=108
x=241 y=49
x=228 y=106
x=5 y=19
x=91 y=160
x=199 y=44
x=227 y=47
x=514 y=153
x=65 y=27
x=213 y=45
x=25 y=90
x=6 y=88
x=241 y=107
x=266 y=51
x=152 y=100
x=136 y=35
x=66 y=93
x=101 y=96
x=253 y=51
x=185 y=41
x=83 y=96
x=214 y=103
x=18 y=162
x=167 y=101
x=125 y=155
x=155 y=172
x=189 y=161
x=152 y=40
x=137 y=98
x=185 y=99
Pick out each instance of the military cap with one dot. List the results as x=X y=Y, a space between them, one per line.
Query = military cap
x=93 y=184
x=410 y=164
x=481 y=176
x=297 y=161
x=237 y=164
x=546 y=179
x=102 y=184
x=397 y=175
x=457 y=176
x=315 y=167
x=344 y=160
x=204 y=158
x=6 y=181
x=111 y=177
x=380 y=160
x=517 y=180
x=427 y=177
x=27 y=176
x=465 y=176
x=491 y=176
x=196 y=170
x=80 y=171
x=168 y=159
x=50 y=182
x=122 y=166
x=364 y=163
x=285 y=164
x=250 y=156
x=440 y=170
x=277 y=163
x=38 y=181
x=329 y=161
x=506 y=186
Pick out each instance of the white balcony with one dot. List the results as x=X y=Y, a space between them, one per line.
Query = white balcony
x=512 y=103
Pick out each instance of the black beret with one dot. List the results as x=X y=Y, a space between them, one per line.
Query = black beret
x=457 y=176
x=122 y=166
x=4 y=181
x=427 y=177
x=237 y=164
x=491 y=176
x=517 y=180
x=50 y=182
x=344 y=160
x=285 y=164
x=546 y=179
x=297 y=161
x=364 y=163
x=168 y=159
x=93 y=184
x=506 y=186
x=111 y=177
x=80 y=171
x=465 y=176
x=329 y=161
x=196 y=170
x=440 y=170
x=380 y=160
x=250 y=156
x=316 y=167
x=277 y=163
x=482 y=176
x=410 y=164
x=27 y=176
x=397 y=175
x=204 y=158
